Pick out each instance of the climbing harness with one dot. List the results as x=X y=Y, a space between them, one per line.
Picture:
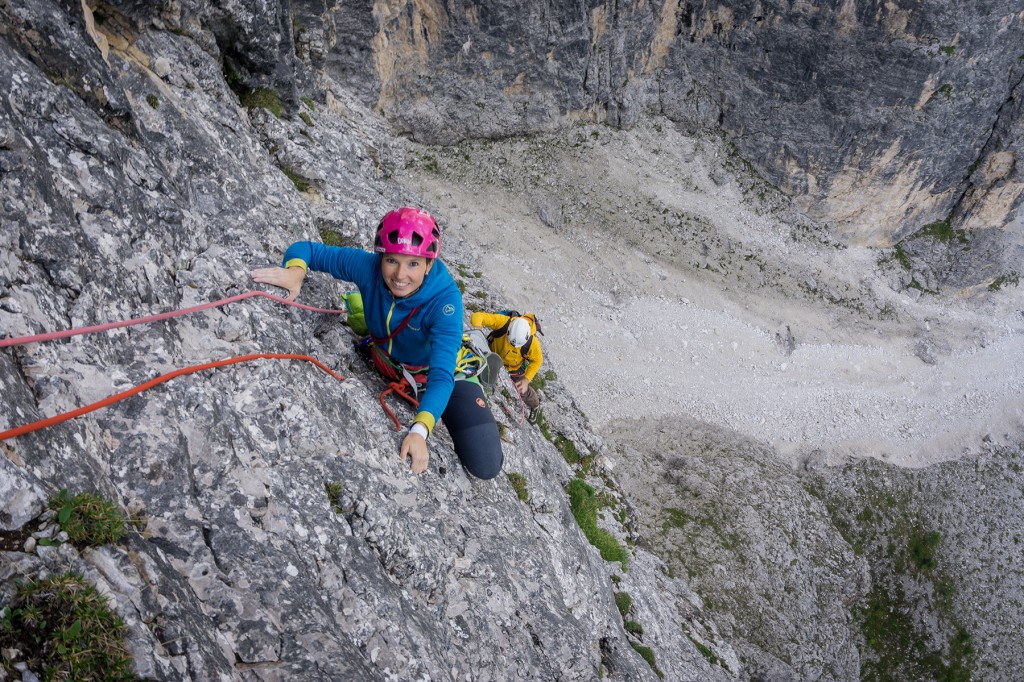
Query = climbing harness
x=57 y=419
x=471 y=364
x=401 y=378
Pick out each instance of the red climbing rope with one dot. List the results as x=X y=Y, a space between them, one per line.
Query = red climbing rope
x=43 y=423
x=51 y=336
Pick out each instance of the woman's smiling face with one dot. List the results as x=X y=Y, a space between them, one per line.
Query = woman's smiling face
x=403 y=275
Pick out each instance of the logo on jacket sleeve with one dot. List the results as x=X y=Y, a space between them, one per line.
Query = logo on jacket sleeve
x=448 y=310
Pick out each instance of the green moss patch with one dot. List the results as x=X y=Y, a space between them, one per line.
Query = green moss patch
x=633 y=628
x=332 y=238
x=1004 y=280
x=301 y=183
x=648 y=655
x=584 y=504
x=568 y=449
x=264 y=98
x=912 y=597
x=518 y=483
x=942 y=230
x=623 y=602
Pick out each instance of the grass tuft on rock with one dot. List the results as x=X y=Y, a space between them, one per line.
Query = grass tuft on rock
x=334 y=490
x=301 y=183
x=61 y=628
x=623 y=602
x=88 y=519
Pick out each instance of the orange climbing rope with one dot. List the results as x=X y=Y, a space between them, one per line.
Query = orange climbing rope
x=57 y=419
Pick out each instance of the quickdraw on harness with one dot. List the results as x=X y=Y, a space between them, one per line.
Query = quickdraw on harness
x=401 y=378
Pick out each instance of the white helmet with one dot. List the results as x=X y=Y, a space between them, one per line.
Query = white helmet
x=519 y=332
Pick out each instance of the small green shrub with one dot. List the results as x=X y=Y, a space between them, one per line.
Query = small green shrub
x=264 y=98
x=568 y=449
x=301 y=183
x=430 y=164
x=309 y=103
x=914 y=284
x=88 y=519
x=922 y=549
x=705 y=651
x=946 y=90
x=943 y=231
x=633 y=628
x=1003 y=280
x=948 y=49
x=584 y=505
x=306 y=118
x=331 y=237
x=65 y=630
x=541 y=380
x=902 y=258
x=518 y=483
x=153 y=101
x=623 y=602
x=648 y=655
x=542 y=426
x=334 y=490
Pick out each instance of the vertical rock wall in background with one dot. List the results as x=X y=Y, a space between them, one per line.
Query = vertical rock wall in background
x=880 y=119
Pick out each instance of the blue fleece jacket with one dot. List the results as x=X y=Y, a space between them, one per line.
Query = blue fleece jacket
x=433 y=335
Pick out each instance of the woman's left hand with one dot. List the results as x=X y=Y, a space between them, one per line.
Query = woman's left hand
x=415 y=448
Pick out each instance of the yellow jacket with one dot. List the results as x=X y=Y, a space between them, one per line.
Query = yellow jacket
x=509 y=354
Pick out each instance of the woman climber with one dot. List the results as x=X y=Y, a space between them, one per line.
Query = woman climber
x=414 y=313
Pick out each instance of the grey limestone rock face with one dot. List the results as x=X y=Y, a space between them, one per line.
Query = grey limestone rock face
x=943 y=545
x=276 y=534
x=761 y=551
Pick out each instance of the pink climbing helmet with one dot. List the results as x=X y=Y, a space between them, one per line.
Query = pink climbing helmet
x=408 y=231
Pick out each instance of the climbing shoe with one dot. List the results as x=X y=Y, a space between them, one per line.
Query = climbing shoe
x=533 y=416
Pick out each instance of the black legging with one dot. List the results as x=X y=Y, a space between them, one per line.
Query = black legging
x=473 y=430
